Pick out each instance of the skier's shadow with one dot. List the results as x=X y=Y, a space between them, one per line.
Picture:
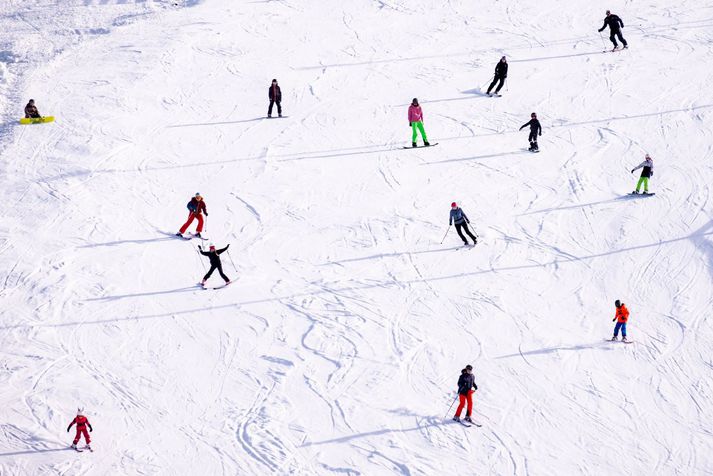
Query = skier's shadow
x=550 y=350
x=149 y=293
x=31 y=452
x=122 y=242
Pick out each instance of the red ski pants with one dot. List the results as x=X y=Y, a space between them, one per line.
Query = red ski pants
x=191 y=217
x=80 y=432
x=463 y=399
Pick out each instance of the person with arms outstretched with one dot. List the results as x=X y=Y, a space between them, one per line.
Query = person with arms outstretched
x=621 y=317
x=535 y=130
x=615 y=25
x=461 y=221
x=196 y=209
x=415 y=121
x=647 y=172
x=466 y=387
x=501 y=74
x=215 y=263
x=82 y=423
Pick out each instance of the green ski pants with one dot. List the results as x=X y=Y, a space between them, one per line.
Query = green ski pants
x=418 y=126
x=645 y=181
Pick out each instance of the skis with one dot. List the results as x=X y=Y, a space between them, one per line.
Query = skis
x=278 y=117
x=534 y=151
x=213 y=288
x=468 y=424
x=494 y=95
x=616 y=49
x=620 y=341
x=422 y=146
x=190 y=236
x=79 y=450
x=634 y=194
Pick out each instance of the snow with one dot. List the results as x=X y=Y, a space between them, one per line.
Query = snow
x=337 y=349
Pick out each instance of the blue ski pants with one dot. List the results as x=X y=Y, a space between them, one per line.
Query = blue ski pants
x=622 y=326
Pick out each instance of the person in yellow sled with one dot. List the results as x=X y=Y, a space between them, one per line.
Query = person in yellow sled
x=31 y=110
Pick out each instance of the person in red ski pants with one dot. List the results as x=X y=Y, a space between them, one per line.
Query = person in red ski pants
x=196 y=208
x=82 y=424
x=466 y=387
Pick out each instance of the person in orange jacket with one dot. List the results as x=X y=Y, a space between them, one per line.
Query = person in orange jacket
x=621 y=317
x=82 y=424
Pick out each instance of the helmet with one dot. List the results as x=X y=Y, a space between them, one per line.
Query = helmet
x=80 y=411
x=648 y=156
x=533 y=115
x=454 y=205
x=274 y=80
x=608 y=12
x=617 y=303
x=469 y=367
x=414 y=101
x=211 y=247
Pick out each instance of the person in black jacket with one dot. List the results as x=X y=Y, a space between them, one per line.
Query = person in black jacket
x=535 y=130
x=615 y=25
x=213 y=256
x=31 y=110
x=466 y=387
x=275 y=96
x=501 y=73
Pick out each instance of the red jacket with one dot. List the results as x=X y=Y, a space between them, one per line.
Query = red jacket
x=81 y=422
x=197 y=206
x=622 y=314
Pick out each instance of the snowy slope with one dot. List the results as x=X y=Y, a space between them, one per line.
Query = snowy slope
x=337 y=349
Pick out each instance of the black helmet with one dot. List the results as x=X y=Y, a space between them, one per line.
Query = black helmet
x=469 y=367
x=415 y=101
x=533 y=115
x=617 y=303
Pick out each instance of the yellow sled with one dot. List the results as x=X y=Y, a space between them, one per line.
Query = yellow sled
x=36 y=120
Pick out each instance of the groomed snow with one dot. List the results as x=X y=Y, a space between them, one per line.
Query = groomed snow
x=337 y=349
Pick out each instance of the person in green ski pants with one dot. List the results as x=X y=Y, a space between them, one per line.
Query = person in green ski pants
x=647 y=172
x=415 y=120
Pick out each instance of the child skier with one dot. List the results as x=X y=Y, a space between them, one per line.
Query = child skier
x=415 y=121
x=466 y=387
x=196 y=208
x=535 y=130
x=275 y=96
x=501 y=74
x=213 y=256
x=31 y=110
x=82 y=424
x=460 y=219
x=648 y=171
x=621 y=316
x=615 y=25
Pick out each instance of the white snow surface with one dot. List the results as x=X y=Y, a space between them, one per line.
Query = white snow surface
x=338 y=348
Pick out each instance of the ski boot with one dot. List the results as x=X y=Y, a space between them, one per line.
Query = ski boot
x=467 y=418
x=179 y=234
x=279 y=115
x=426 y=144
x=269 y=116
x=615 y=338
x=646 y=192
x=89 y=447
x=623 y=339
x=456 y=418
x=73 y=446
x=198 y=235
x=635 y=192
x=203 y=283
x=626 y=46
x=615 y=48
x=465 y=243
x=413 y=144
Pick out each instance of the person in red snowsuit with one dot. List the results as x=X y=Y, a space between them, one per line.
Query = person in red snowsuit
x=82 y=424
x=196 y=208
x=466 y=387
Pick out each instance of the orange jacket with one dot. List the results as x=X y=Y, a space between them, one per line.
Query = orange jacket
x=622 y=314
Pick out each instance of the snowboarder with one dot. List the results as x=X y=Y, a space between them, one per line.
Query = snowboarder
x=82 y=424
x=535 y=130
x=615 y=25
x=213 y=256
x=196 y=208
x=621 y=316
x=648 y=171
x=466 y=387
x=501 y=74
x=275 y=96
x=415 y=122
x=31 y=110
x=460 y=219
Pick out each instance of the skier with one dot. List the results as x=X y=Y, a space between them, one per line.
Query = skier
x=31 y=110
x=213 y=256
x=460 y=219
x=501 y=74
x=535 y=130
x=615 y=25
x=196 y=208
x=466 y=387
x=415 y=121
x=82 y=424
x=275 y=96
x=621 y=316
x=648 y=171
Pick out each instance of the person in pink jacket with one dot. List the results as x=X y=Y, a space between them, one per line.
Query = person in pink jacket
x=415 y=121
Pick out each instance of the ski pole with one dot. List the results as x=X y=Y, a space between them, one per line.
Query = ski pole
x=200 y=258
x=506 y=85
x=444 y=236
x=449 y=408
x=231 y=260
x=603 y=42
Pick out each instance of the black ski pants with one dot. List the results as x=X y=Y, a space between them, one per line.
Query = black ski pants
x=279 y=107
x=495 y=80
x=213 y=267
x=464 y=225
x=533 y=140
x=617 y=34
